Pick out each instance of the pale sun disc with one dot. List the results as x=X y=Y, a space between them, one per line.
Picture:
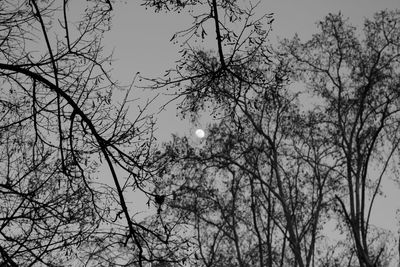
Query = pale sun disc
x=200 y=133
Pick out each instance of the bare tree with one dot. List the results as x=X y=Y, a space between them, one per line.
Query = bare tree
x=59 y=125
x=319 y=170
x=357 y=83
x=258 y=188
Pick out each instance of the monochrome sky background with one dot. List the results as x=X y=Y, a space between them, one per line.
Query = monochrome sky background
x=139 y=39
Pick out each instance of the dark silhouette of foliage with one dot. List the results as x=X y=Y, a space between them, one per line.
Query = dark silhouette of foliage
x=256 y=191
x=59 y=125
x=260 y=187
x=358 y=83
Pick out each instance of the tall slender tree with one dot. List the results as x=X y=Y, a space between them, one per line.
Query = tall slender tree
x=357 y=83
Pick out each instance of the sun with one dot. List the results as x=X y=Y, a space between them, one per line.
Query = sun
x=200 y=133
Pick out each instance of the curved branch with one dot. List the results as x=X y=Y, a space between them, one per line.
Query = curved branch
x=101 y=142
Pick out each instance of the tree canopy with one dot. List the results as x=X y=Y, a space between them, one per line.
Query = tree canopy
x=272 y=172
x=303 y=134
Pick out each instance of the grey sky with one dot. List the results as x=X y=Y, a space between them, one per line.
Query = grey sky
x=140 y=38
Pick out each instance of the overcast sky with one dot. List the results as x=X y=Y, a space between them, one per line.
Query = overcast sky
x=141 y=37
x=140 y=40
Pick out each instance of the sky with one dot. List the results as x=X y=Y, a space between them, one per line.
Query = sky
x=140 y=42
x=140 y=38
